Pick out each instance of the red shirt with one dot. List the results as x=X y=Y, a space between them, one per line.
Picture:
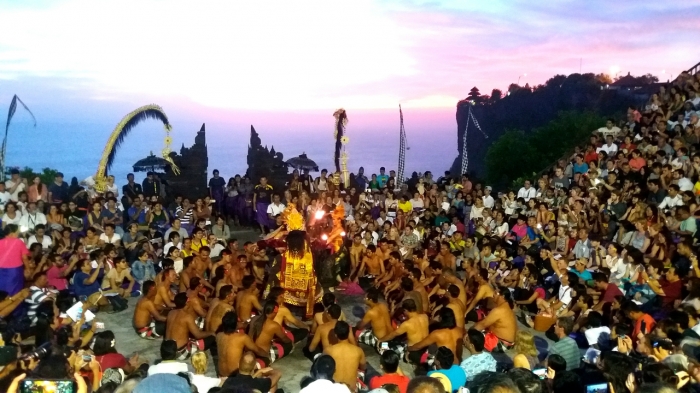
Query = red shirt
x=399 y=380
x=649 y=324
x=672 y=292
x=55 y=279
x=611 y=292
x=12 y=250
x=111 y=360
x=590 y=156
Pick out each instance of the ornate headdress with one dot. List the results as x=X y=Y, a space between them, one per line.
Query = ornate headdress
x=292 y=219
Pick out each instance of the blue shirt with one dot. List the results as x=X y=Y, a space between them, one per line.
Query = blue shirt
x=81 y=289
x=477 y=364
x=580 y=168
x=457 y=376
x=382 y=179
x=585 y=275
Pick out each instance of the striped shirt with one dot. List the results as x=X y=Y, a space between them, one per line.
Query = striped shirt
x=568 y=349
x=36 y=296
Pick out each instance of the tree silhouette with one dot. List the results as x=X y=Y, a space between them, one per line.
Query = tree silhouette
x=496 y=94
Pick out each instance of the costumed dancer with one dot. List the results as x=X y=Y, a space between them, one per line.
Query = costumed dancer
x=293 y=270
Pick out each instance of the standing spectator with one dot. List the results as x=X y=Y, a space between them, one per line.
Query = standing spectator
x=151 y=185
x=262 y=197
x=58 y=190
x=130 y=191
x=216 y=191
x=15 y=185
x=13 y=256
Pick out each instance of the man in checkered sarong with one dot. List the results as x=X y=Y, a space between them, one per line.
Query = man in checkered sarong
x=375 y=323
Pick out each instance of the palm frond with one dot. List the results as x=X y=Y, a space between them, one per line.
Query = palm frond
x=129 y=122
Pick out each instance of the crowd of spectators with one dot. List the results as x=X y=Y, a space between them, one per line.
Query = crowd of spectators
x=600 y=254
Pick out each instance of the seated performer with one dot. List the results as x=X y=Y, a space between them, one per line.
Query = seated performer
x=291 y=325
x=349 y=359
x=376 y=322
x=164 y=296
x=247 y=303
x=324 y=334
x=233 y=344
x=415 y=328
x=447 y=335
x=499 y=325
x=148 y=322
x=182 y=328
x=269 y=335
x=219 y=307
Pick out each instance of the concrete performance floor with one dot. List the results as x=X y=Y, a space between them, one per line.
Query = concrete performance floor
x=293 y=367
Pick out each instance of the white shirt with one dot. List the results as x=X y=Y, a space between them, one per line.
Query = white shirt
x=203 y=383
x=274 y=210
x=45 y=241
x=609 y=149
x=15 y=195
x=527 y=193
x=168 y=367
x=476 y=212
x=114 y=239
x=4 y=198
x=593 y=335
x=216 y=250
x=669 y=202
x=565 y=294
x=168 y=245
x=31 y=220
x=325 y=386
x=488 y=201
x=7 y=220
x=685 y=184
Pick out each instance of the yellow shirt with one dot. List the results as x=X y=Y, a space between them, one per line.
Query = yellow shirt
x=405 y=207
x=195 y=247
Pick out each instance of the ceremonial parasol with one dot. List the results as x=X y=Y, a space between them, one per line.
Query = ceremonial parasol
x=303 y=162
x=151 y=164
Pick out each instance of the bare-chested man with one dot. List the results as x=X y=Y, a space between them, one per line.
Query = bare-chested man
x=371 y=267
x=182 y=328
x=298 y=329
x=148 y=322
x=357 y=251
x=198 y=305
x=448 y=278
x=500 y=321
x=220 y=306
x=392 y=272
x=484 y=293
x=247 y=303
x=233 y=343
x=447 y=335
x=455 y=304
x=238 y=271
x=164 y=296
x=269 y=335
x=323 y=336
x=415 y=274
x=188 y=272
x=349 y=358
x=445 y=256
x=415 y=328
x=376 y=322
x=226 y=261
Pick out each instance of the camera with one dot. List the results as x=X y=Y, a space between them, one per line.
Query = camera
x=39 y=352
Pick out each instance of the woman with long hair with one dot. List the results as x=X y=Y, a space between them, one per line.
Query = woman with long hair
x=106 y=353
x=37 y=191
x=526 y=351
x=231 y=196
x=12 y=215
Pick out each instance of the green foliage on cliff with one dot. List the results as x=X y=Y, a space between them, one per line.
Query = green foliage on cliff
x=46 y=175
x=517 y=155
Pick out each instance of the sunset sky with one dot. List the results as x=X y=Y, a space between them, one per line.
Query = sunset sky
x=83 y=64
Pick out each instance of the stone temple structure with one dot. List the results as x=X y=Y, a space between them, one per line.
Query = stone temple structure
x=192 y=162
x=265 y=162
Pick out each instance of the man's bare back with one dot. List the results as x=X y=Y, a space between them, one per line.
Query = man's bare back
x=380 y=320
x=143 y=313
x=178 y=327
x=416 y=328
x=217 y=314
x=232 y=348
x=349 y=359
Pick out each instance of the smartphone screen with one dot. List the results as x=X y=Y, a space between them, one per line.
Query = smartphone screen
x=385 y=345
x=597 y=388
x=540 y=372
x=41 y=386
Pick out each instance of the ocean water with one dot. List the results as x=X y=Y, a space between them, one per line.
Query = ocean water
x=75 y=144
